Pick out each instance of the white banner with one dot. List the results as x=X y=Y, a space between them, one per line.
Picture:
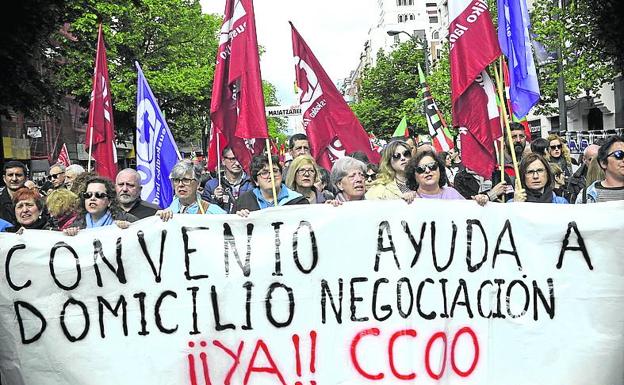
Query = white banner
x=280 y=111
x=370 y=292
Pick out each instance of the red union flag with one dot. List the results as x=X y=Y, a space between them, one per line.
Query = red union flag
x=474 y=45
x=478 y=117
x=332 y=128
x=63 y=157
x=237 y=106
x=100 y=136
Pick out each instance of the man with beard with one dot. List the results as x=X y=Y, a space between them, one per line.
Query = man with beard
x=128 y=187
x=14 y=176
x=225 y=190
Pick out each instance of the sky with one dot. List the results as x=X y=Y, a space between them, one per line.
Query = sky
x=335 y=31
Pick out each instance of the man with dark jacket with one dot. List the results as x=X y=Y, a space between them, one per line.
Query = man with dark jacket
x=224 y=191
x=128 y=189
x=577 y=181
x=14 y=176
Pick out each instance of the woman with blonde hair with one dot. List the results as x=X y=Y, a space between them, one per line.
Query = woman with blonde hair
x=303 y=174
x=63 y=208
x=559 y=153
x=391 y=182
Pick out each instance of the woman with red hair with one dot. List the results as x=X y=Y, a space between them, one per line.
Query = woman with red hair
x=29 y=211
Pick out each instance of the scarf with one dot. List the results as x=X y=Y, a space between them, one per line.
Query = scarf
x=536 y=196
x=105 y=220
x=193 y=208
x=66 y=220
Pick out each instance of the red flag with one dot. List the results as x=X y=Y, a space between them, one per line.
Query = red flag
x=332 y=128
x=474 y=45
x=101 y=129
x=237 y=107
x=478 y=118
x=63 y=157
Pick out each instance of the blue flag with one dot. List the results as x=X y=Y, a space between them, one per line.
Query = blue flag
x=156 y=151
x=515 y=43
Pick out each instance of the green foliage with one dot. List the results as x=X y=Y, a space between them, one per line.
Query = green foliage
x=384 y=88
x=276 y=125
x=25 y=29
x=584 y=66
x=174 y=43
x=391 y=90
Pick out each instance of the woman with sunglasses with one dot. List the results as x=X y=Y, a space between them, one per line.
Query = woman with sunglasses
x=302 y=176
x=99 y=207
x=187 y=199
x=391 y=181
x=537 y=182
x=610 y=159
x=559 y=154
x=426 y=174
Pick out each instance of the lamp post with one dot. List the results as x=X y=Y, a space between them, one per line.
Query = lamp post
x=420 y=38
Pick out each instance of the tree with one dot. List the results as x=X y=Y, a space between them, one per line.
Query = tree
x=172 y=40
x=385 y=86
x=26 y=29
x=391 y=90
x=585 y=65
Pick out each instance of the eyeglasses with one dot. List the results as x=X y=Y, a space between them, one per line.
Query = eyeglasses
x=183 y=181
x=98 y=195
x=266 y=173
x=537 y=171
x=556 y=147
x=54 y=176
x=407 y=154
x=618 y=154
x=306 y=172
x=429 y=166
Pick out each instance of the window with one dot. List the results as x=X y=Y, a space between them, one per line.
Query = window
x=435 y=35
x=412 y=17
x=433 y=19
x=410 y=2
x=400 y=18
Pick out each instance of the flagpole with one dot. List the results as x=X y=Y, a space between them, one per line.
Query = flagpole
x=268 y=150
x=218 y=155
x=499 y=86
x=502 y=139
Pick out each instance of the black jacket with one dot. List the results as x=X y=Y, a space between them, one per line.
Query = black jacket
x=7 y=209
x=576 y=184
x=248 y=201
x=143 y=209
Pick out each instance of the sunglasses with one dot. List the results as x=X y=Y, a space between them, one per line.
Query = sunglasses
x=556 y=147
x=98 y=195
x=371 y=176
x=423 y=169
x=54 y=176
x=618 y=154
x=406 y=154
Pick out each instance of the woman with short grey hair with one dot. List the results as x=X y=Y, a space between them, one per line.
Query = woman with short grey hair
x=185 y=180
x=348 y=175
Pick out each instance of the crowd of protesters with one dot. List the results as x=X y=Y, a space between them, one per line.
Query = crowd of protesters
x=73 y=199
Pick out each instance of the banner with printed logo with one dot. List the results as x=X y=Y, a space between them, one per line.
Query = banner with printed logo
x=436 y=292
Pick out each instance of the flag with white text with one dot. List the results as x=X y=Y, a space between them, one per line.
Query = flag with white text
x=237 y=108
x=156 y=150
